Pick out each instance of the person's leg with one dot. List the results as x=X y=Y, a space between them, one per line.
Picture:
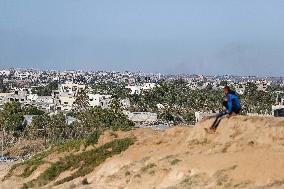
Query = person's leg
x=217 y=120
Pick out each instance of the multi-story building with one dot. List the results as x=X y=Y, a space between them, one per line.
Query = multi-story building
x=278 y=108
x=99 y=100
x=66 y=96
x=18 y=95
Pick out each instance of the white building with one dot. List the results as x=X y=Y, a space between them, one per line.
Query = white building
x=70 y=120
x=45 y=103
x=137 y=89
x=65 y=102
x=125 y=103
x=19 y=95
x=192 y=85
x=28 y=119
x=160 y=106
x=278 y=108
x=148 y=86
x=40 y=99
x=142 y=117
x=65 y=97
x=22 y=75
x=240 y=90
x=262 y=85
x=5 y=72
x=99 y=100
x=134 y=89
x=71 y=88
x=200 y=115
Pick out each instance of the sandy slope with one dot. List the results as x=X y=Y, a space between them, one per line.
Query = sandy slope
x=246 y=152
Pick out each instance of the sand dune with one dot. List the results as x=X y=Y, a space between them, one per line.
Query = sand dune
x=246 y=152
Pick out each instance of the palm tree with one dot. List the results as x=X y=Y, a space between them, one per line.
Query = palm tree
x=81 y=102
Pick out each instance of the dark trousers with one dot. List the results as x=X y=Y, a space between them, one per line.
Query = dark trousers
x=218 y=119
x=221 y=115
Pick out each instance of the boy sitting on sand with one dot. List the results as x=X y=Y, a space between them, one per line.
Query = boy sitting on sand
x=233 y=107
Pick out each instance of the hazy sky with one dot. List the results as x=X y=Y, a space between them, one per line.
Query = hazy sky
x=241 y=37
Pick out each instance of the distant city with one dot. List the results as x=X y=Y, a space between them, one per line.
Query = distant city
x=58 y=91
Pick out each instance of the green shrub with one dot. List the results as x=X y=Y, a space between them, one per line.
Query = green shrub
x=127 y=173
x=175 y=161
x=149 y=166
x=85 y=181
x=70 y=145
x=85 y=162
x=93 y=138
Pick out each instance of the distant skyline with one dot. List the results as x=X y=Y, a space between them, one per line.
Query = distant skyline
x=184 y=36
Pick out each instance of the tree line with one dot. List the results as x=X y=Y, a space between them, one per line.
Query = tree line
x=54 y=127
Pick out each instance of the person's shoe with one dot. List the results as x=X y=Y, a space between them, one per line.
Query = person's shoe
x=213 y=129
x=210 y=130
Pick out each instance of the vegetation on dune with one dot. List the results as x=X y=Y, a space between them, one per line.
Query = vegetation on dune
x=72 y=145
x=63 y=137
x=149 y=166
x=175 y=161
x=83 y=163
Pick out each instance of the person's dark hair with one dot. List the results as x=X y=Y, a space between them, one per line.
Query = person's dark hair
x=227 y=88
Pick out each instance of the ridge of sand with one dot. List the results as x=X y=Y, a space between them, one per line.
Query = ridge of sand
x=246 y=152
